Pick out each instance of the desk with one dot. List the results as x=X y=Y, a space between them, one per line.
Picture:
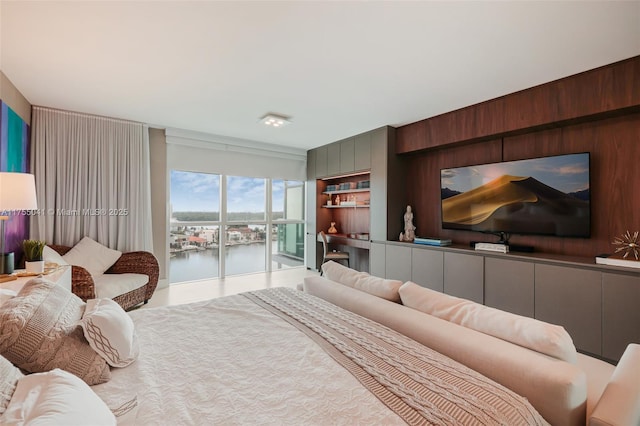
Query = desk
x=61 y=276
x=358 y=250
x=343 y=239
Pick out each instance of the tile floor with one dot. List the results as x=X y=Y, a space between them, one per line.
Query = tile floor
x=177 y=294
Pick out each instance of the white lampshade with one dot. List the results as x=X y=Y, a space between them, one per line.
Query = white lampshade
x=17 y=191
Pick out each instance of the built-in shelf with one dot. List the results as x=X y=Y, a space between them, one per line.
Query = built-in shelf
x=364 y=206
x=346 y=191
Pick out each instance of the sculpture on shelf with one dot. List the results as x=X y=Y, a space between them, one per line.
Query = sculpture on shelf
x=409 y=229
x=337 y=200
x=332 y=228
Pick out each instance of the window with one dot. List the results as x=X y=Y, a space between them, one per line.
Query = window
x=194 y=253
x=287 y=214
x=258 y=236
x=195 y=197
x=194 y=231
x=246 y=249
x=245 y=199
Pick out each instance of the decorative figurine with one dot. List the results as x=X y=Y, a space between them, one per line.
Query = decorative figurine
x=337 y=200
x=409 y=229
x=628 y=244
x=332 y=228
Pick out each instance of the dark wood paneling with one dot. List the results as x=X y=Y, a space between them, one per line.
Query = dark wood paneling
x=351 y=220
x=586 y=96
x=615 y=176
x=529 y=108
x=615 y=155
x=423 y=184
x=411 y=137
x=489 y=118
x=348 y=219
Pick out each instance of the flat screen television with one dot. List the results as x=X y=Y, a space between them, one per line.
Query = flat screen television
x=541 y=196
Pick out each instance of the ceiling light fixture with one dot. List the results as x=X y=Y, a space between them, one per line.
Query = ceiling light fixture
x=275 y=120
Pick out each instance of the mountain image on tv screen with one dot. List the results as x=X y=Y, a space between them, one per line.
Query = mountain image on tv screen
x=546 y=196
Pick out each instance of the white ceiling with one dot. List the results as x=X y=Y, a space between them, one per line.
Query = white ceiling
x=337 y=68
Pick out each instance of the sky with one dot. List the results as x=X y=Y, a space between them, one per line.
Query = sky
x=191 y=191
x=567 y=173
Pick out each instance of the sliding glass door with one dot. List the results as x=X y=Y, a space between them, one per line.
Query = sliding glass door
x=194 y=232
x=229 y=225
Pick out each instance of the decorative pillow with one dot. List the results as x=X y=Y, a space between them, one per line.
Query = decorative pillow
x=39 y=332
x=6 y=294
x=386 y=289
x=9 y=376
x=110 y=332
x=92 y=256
x=56 y=398
x=49 y=255
x=549 y=339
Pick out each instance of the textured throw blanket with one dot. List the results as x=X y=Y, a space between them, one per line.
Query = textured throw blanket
x=269 y=358
x=420 y=385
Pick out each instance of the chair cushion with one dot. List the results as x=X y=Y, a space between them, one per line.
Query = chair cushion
x=92 y=256
x=112 y=285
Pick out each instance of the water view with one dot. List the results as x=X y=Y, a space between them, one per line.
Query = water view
x=198 y=227
x=195 y=265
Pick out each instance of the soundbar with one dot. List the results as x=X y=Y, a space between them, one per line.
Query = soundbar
x=500 y=248
x=512 y=247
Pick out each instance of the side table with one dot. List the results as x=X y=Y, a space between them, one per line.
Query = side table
x=61 y=276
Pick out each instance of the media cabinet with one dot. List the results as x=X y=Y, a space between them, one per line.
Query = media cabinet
x=596 y=304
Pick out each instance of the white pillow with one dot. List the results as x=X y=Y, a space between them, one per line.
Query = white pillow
x=56 y=398
x=49 y=255
x=92 y=256
x=6 y=294
x=380 y=287
x=110 y=332
x=9 y=376
x=549 y=339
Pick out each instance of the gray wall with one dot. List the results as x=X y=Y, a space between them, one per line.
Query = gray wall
x=16 y=101
x=159 y=200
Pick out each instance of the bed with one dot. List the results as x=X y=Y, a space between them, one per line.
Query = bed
x=280 y=356
x=331 y=354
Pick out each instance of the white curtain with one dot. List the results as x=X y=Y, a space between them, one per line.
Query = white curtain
x=92 y=179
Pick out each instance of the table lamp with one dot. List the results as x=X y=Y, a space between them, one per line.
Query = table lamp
x=17 y=193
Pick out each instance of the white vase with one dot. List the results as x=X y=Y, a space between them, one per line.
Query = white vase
x=36 y=267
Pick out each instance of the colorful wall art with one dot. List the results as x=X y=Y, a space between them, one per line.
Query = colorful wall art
x=14 y=157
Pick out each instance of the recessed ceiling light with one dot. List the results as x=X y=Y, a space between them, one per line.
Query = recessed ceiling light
x=275 y=120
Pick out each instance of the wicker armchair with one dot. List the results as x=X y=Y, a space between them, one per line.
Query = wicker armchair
x=137 y=262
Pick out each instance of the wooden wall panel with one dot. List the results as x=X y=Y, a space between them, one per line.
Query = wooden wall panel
x=594 y=94
x=615 y=176
x=412 y=136
x=423 y=184
x=529 y=108
x=489 y=118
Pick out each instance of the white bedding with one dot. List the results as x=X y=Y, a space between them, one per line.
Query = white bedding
x=281 y=356
x=225 y=363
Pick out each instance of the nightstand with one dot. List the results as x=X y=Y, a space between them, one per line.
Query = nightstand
x=61 y=276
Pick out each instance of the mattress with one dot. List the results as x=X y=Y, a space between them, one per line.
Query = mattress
x=281 y=356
